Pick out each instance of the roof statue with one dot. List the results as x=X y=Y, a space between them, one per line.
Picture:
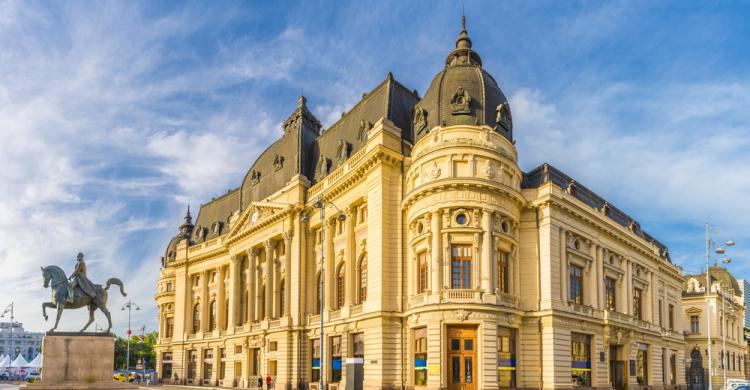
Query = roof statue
x=76 y=292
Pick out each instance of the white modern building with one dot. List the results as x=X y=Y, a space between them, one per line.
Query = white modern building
x=28 y=344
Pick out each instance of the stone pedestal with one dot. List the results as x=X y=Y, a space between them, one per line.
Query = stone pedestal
x=78 y=361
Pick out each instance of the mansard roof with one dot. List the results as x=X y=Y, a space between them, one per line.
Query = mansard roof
x=546 y=173
x=213 y=217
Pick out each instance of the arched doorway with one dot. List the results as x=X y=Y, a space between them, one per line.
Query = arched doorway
x=695 y=375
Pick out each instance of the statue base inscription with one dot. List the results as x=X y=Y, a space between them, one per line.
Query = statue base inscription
x=74 y=360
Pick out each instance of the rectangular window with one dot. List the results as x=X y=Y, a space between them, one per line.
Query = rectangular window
x=166 y=365
x=641 y=364
x=208 y=363
x=661 y=315
x=273 y=368
x=580 y=359
x=237 y=348
x=506 y=357
x=670 y=313
x=222 y=363
x=237 y=369
x=695 y=324
x=255 y=352
x=169 y=327
x=420 y=357
x=503 y=263
x=673 y=368
x=576 y=284
x=422 y=261
x=192 y=363
x=358 y=345
x=169 y=286
x=637 y=303
x=315 y=361
x=336 y=359
x=273 y=346
x=461 y=261
x=609 y=294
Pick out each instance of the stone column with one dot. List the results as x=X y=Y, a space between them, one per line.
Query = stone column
x=351 y=267
x=234 y=290
x=277 y=245
x=220 y=297
x=288 y=273
x=252 y=256
x=436 y=263
x=330 y=257
x=204 y=300
x=485 y=272
x=564 y=266
x=269 y=278
x=628 y=288
x=599 y=257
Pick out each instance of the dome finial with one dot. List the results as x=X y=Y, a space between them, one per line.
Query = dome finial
x=463 y=41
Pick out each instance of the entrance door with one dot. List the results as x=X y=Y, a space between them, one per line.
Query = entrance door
x=462 y=358
x=616 y=368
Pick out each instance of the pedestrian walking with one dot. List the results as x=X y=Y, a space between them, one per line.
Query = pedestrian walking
x=260 y=382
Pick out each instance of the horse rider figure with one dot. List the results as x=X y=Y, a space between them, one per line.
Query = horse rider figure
x=79 y=279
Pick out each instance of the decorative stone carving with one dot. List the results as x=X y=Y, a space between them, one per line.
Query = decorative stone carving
x=461 y=102
x=324 y=166
x=571 y=189
x=420 y=120
x=486 y=170
x=605 y=208
x=462 y=314
x=342 y=152
x=254 y=177
x=288 y=235
x=363 y=245
x=364 y=128
x=503 y=116
x=278 y=162
x=433 y=172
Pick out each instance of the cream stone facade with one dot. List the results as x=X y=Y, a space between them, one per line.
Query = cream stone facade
x=727 y=316
x=453 y=268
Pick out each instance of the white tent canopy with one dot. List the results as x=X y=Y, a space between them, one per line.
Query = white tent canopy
x=19 y=362
x=37 y=362
x=5 y=362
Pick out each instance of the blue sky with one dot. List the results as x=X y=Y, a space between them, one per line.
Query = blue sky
x=114 y=115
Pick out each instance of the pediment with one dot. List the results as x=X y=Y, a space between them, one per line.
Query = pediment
x=256 y=214
x=693 y=310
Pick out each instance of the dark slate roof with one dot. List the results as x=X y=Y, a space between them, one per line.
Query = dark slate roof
x=546 y=173
x=213 y=217
x=389 y=100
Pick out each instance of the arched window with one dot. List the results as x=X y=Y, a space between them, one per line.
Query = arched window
x=196 y=318
x=281 y=298
x=340 y=286
x=362 y=273
x=212 y=316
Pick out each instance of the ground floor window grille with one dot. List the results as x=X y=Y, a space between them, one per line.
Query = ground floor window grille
x=580 y=359
x=506 y=357
x=420 y=357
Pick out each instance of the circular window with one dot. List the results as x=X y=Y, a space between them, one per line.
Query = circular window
x=420 y=227
x=461 y=219
x=504 y=226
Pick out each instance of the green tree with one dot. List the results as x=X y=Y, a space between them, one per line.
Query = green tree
x=142 y=350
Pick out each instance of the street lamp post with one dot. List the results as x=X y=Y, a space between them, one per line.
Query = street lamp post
x=726 y=260
x=321 y=204
x=129 y=305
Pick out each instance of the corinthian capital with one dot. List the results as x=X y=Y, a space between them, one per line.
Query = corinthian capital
x=288 y=235
x=269 y=244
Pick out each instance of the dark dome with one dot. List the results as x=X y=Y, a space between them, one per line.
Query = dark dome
x=463 y=94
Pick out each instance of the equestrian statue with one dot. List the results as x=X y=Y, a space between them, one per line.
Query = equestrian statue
x=76 y=292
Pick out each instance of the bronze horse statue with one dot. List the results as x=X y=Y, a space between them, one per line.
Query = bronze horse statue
x=59 y=281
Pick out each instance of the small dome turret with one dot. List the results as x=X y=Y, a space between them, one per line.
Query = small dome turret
x=463 y=94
